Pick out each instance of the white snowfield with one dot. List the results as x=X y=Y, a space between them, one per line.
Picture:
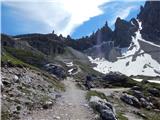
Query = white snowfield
x=142 y=64
x=152 y=81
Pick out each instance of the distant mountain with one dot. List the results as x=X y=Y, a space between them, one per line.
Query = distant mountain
x=138 y=43
x=150 y=17
x=133 y=48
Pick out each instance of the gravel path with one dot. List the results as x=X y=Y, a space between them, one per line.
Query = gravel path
x=109 y=91
x=71 y=106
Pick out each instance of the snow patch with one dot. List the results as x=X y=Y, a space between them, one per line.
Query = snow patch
x=134 y=46
x=137 y=79
x=151 y=81
x=127 y=66
x=69 y=64
x=70 y=71
x=154 y=81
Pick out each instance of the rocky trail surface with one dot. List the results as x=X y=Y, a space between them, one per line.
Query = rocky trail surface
x=72 y=105
x=110 y=91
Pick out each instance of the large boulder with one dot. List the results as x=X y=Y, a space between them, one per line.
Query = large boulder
x=137 y=94
x=47 y=105
x=145 y=103
x=155 y=92
x=131 y=100
x=104 y=108
x=119 y=79
x=115 y=77
x=55 y=69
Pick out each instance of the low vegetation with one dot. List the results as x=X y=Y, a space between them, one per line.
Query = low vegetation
x=26 y=56
x=150 y=115
x=95 y=93
x=120 y=116
x=8 y=58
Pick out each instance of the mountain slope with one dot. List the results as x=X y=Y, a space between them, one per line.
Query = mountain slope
x=140 y=55
x=150 y=17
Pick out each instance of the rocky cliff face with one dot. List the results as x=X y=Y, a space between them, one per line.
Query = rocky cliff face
x=122 y=35
x=125 y=34
x=101 y=35
x=150 y=17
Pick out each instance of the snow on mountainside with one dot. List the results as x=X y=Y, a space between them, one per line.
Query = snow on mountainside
x=134 y=61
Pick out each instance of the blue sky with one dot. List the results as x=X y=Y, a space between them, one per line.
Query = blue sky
x=74 y=17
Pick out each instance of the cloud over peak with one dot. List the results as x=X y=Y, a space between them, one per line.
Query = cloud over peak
x=62 y=16
x=74 y=17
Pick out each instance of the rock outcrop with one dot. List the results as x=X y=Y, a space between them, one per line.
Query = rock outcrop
x=122 y=35
x=129 y=99
x=56 y=70
x=150 y=16
x=104 y=108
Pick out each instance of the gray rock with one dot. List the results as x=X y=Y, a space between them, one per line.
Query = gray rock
x=131 y=100
x=136 y=88
x=104 y=108
x=107 y=114
x=47 y=105
x=6 y=83
x=145 y=103
x=55 y=69
x=137 y=94
x=154 y=92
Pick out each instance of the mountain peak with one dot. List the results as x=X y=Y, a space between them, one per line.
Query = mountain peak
x=106 y=24
x=150 y=17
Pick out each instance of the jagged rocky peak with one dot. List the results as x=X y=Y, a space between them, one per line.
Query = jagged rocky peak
x=122 y=24
x=124 y=31
x=104 y=34
x=150 y=17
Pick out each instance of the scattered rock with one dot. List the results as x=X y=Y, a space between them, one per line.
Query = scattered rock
x=18 y=108
x=145 y=103
x=118 y=79
x=103 y=107
x=154 y=92
x=140 y=114
x=47 y=105
x=16 y=77
x=131 y=100
x=136 y=88
x=57 y=117
x=107 y=114
x=6 y=83
x=86 y=105
x=57 y=96
x=156 y=110
x=55 y=69
x=137 y=94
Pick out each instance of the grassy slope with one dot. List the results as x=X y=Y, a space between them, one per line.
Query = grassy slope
x=26 y=56
x=7 y=57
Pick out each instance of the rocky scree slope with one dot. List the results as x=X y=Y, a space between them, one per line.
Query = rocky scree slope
x=25 y=89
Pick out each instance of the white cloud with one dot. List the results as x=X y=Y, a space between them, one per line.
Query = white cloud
x=61 y=15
